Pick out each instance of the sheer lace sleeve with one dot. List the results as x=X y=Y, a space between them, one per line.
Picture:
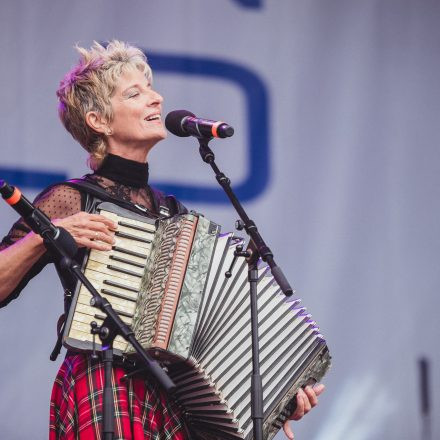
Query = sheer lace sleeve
x=56 y=202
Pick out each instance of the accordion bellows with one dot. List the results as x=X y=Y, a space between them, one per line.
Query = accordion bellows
x=168 y=282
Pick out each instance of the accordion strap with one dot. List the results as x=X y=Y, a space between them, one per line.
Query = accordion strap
x=165 y=205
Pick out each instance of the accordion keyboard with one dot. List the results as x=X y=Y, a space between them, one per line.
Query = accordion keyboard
x=116 y=275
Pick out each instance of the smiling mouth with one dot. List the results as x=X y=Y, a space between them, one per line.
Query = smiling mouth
x=153 y=118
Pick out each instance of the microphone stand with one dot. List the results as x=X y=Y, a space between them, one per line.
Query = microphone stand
x=63 y=248
x=110 y=328
x=260 y=250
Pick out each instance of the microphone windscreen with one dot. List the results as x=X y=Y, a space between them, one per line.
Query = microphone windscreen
x=6 y=190
x=173 y=122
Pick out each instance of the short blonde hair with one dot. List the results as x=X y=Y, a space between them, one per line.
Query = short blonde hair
x=89 y=85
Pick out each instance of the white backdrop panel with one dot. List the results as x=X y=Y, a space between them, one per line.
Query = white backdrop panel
x=351 y=205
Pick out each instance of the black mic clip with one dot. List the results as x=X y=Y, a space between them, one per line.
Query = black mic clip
x=57 y=240
x=41 y=224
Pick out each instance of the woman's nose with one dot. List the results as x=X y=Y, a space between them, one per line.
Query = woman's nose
x=155 y=98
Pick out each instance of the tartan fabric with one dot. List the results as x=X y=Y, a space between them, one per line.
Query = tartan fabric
x=142 y=411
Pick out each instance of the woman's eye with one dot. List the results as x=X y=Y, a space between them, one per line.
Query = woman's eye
x=133 y=95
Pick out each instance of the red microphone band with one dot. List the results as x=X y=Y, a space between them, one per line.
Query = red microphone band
x=14 y=198
x=215 y=127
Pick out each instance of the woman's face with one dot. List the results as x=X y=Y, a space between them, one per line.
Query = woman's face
x=137 y=122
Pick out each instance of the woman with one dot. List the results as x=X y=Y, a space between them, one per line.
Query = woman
x=108 y=105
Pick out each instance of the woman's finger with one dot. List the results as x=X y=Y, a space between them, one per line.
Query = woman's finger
x=100 y=234
x=307 y=403
x=288 y=430
x=319 y=388
x=311 y=395
x=101 y=219
x=299 y=411
x=92 y=244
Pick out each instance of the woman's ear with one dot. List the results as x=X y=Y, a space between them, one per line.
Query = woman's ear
x=97 y=123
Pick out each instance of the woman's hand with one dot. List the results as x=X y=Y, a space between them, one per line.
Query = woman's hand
x=93 y=231
x=306 y=399
x=88 y=230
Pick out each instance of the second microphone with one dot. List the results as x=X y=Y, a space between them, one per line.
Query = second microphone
x=184 y=123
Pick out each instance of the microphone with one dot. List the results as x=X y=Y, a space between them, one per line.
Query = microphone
x=57 y=240
x=36 y=219
x=184 y=123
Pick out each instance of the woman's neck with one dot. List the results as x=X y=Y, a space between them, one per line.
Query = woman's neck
x=137 y=152
x=123 y=170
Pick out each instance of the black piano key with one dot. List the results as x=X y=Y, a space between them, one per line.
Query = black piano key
x=124 y=260
x=132 y=226
x=132 y=237
x=126 y=271
x=119 y=312
x=118 y=295
x=129 y=252
x=120 y=285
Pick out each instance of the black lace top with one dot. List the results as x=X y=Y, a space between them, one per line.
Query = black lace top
x=121 y=178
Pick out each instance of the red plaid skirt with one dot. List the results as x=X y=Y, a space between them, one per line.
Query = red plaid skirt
x=142 y=411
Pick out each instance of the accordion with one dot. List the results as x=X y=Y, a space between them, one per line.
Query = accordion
x=166 y=279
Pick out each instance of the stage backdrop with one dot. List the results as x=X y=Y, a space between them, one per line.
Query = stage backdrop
x=336 y=110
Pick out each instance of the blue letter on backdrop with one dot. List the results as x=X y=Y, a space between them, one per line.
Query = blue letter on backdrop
x=250 y=3
x=29 y=178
